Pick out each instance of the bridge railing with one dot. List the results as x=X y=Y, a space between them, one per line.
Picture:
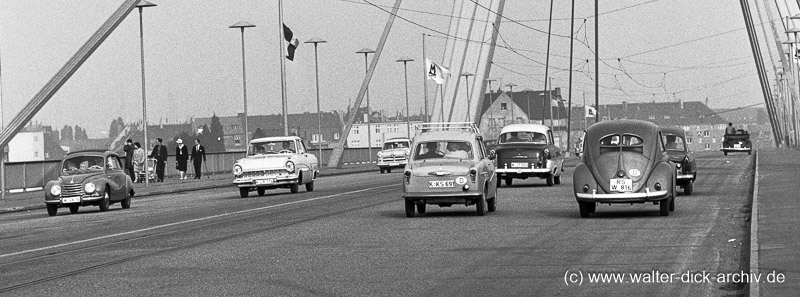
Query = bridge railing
x=34 y=175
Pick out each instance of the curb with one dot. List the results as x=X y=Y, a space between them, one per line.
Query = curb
x=203 y=186
x=754 y=248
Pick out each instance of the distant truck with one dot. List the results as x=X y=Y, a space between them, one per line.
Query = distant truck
x=737 y=142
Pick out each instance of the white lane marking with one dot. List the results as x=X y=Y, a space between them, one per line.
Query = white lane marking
x=754 y=248
x=188 y=221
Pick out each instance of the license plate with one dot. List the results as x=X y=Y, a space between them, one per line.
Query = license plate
x=394 y=164
x=71 y=200
x=737 y=145
x=519 y=165
x=621 y=185
x=265 y=181
x=441 y=184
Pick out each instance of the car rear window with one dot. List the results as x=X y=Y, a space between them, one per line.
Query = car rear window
x=443 y=150
x=523 y=136
x=621 y=143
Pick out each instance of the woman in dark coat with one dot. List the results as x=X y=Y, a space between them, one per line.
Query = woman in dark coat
x=182 y=157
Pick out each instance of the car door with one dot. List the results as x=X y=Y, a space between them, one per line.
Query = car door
x=116 y=176
x=486 y=167
x=309 y=161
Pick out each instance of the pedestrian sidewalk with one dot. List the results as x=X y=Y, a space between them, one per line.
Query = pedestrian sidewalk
x=775 y=238
x=35 y=199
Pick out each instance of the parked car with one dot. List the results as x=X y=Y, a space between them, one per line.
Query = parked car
x=449 y=165
x=680 y=155
x=738 y=142
x=275 y=162
x=89 y=178
x=394 y=154
x=528 y=150
x=624 y=161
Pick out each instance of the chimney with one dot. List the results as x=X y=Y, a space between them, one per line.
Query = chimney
x=681 y=102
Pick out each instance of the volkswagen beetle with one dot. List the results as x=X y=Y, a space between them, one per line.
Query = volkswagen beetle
x=680 y=155
x=275 y=162
x=394 y=154
x=449 y=165
x=737 y=142
x=624 y=161
x=90 y=177
x=528 y=150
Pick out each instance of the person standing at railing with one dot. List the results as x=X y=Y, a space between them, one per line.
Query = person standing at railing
x=160 y=154
x=181 y=156
x=138 y=161
x=128 y=148
x=198 y=157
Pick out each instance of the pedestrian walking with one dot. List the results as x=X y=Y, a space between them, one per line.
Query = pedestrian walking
x=139 y=160
x=181 y=158
x=129 y=148
x=198 y=157
x=160 y=154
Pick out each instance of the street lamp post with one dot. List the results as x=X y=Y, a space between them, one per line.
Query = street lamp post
x=241 y=25
x=405 y=60
x=141 y=6
x=466 y=76
x=796 y=74
x=367 y=51
x=511 y=95
x=317 y=41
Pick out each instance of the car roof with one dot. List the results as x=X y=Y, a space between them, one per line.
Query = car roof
x=673 y=130
x=525 y=128
x=397 y=139
x=276 y=138
x=446 y=135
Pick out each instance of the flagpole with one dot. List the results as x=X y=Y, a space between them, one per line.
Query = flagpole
x=283 y=70
x=425 y=78
x=584 y=111
x=441 y=97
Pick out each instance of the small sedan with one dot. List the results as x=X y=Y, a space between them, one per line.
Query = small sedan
x=275 y=162
x=449 y=165
x=89 y=178
x=681 y=156
x=394 y=154
x=624 y=162
x=528 y=150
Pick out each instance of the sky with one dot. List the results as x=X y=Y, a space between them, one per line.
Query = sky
x=650 y=50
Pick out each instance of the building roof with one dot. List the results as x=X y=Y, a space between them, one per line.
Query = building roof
x=537 y=100
x=689 y=113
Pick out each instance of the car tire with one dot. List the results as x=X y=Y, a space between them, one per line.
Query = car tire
x=663 y=207
x=557 y=179
x=726 y=153
x=261 y=191
x=73 y=209
x=383 y=171
x=104 y=202
x=688 y=188
x=491 y=204
x=389 y=170
x=244 y=192
x=585 y=208
x=410 y=208
x=52 y=209
x=421 y=208
x=294 y=188
x=480 y=205
x=499 y=182
x=672 y=204
x=509 y=181
x=310 y=186
x=550 y=180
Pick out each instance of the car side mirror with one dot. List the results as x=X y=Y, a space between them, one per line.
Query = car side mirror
x=492 y=155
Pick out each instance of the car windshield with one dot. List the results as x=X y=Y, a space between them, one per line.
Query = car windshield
x=443 y=150
x=673 y=142
x=395 y=145
x=523 y=136
x=81 y=164
x=624 y=142
x=271 y=147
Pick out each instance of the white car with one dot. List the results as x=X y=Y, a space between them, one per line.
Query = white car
x=275 y=162
x=394 y=154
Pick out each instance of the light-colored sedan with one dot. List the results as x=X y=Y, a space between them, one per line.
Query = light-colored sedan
x=275 y=162
x=394 y=154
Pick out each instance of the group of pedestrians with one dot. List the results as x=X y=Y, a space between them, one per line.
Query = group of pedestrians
x=136 y=162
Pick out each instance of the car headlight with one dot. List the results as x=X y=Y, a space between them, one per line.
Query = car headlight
x=89 y=187
x=237 y=169
x=290 y=166
x=55 y=190
x=380 y=154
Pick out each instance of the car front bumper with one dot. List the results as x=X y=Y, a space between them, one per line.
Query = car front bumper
x=647 y=196
x=266 y=181
x=735 y=149
x=385 y=164
x=81 y=199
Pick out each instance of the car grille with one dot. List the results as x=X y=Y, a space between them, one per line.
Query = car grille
x=71 y=190
x=263 y=173
x=394 y=158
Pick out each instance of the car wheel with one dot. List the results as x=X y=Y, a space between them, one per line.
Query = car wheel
x=383 y=171
x=294 y=188
x=749 y=153
x=389 y=170
x=421 y=208
x=410 y=208
x=499 y=182
x=261 y=191
x=726 y=153
x=480 y=205
x=244 y=192
x=310 y=186
x=509 y=181
x=663 y=207
x=585 y=208
x=73 y=209
x=672 y=204
x=550 y=180
x=492 y=203
x=557 y=179
x=688 y=188
x=104 y=202
x=52 y=209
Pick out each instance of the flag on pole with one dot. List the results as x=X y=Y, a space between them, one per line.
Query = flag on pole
x=435 y=71
x=590 y=112
x=293 y=42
